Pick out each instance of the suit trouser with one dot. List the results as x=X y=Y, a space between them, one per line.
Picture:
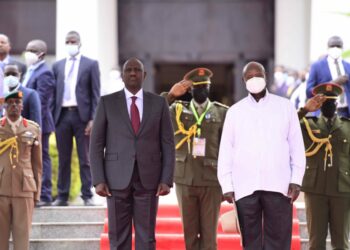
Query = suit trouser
x=69 y=126
x=46 y=178
x=16 y=214
x=266 y=221
x=199 y=208
x=323 y=210
x=133 y=204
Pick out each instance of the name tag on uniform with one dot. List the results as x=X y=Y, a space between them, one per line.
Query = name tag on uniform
x=198 y=147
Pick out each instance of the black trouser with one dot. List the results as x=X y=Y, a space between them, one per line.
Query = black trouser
x=133 y=204
x=266 y=221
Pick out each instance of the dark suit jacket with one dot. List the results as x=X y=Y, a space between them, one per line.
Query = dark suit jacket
x=31 y=105
x=114 y=147
x=320 y=73
x=87 y=90
x=43 y=81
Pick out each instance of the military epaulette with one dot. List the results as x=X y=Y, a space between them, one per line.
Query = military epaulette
x=32 y=123
x=344 y=118
x=314 y=118
x=221 y=104
x=185 y=103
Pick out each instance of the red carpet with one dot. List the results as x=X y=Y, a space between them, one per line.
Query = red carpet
x=169 y=231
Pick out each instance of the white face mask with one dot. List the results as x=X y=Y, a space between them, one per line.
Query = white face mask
x=30 y=58
x=256 y=85
x=72 y=49
x=11 y=81
x=335 y=52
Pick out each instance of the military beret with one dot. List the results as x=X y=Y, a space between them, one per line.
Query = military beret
x=199 y=76
x=14 y=94
x=328 y=89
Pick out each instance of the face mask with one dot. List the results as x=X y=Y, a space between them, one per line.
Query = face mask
x=200 y=95
x=11 y=81
x=255 y=85
x=328 y=108
x=72 y=49
x=335 y=52
x=30 y=58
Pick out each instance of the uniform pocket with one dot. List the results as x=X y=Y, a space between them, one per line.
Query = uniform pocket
x=29 y=184
x=310 y=175
x=180 y=165
x=344 y=181
x=210 y=170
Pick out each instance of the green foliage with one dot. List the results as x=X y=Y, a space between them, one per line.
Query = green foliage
x=75 y=171
x=346 y=54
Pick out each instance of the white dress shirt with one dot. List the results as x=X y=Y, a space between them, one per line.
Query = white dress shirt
x=139 y=101
x=261 y=147
x=333 y=69
x=73 y=84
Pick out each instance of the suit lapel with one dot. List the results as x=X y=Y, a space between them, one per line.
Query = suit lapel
x=81 y=66
x=325 y=68
x=122 y=106
x=321 y=124
x=147 y=107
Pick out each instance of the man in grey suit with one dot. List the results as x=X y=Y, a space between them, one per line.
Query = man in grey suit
x=132 y=158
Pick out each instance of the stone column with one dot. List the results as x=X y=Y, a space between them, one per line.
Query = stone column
x=96 y=22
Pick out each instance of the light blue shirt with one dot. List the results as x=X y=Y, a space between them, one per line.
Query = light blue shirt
x=30 y=71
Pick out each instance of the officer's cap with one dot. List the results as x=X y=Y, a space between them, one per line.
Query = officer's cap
x=328 y=89
x=14 y=94
x=199 y=76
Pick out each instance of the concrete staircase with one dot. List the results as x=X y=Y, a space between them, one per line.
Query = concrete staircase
x=67 y=228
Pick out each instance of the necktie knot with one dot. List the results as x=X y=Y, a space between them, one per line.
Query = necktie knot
x=133 y=99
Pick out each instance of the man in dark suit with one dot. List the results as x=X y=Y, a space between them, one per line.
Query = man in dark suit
x=132 y=158
x=5 y=58
x=40 y=78
x=75 y=100
x=31 y=101
x=332 y=68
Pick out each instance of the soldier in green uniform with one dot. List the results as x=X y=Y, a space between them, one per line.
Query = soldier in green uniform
x=20 y=173
x=326 y=182
x=198 y=125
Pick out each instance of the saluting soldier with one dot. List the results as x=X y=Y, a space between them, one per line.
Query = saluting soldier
x=20 y=173
x=326 y=182
x=198 y=125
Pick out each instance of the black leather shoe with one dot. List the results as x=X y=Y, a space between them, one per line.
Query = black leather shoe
x=43 y=204
x=89 y=202
x=59 y=203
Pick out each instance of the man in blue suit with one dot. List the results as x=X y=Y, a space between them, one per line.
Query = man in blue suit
x=75 y=101
x=329 y=69
x=40 y=78
x=31 y=101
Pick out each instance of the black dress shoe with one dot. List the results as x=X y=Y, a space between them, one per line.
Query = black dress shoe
x=89 y=202
x=59 y=203
x=43 y=204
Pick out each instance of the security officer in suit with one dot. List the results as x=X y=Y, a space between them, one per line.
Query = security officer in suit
x=198 y=125
x=20 y=173
x=326 y=182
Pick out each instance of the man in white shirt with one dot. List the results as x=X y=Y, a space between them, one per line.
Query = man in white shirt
x=262 y=163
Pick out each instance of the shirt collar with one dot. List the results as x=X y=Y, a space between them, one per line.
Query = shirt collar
x=77 y=57
x=35 y=66
x=128 y=94
x=16 y=123
x=6 y=60
x=203 y=105
x=262 y=100
x=331 y=60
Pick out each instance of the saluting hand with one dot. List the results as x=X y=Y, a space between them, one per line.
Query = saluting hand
x=315 y=103
x=180 y=88
x=102 y=190
x=163 y=189
x=293 y=192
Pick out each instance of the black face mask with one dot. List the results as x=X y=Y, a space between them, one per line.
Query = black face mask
x=328 y=108
x=200 y=95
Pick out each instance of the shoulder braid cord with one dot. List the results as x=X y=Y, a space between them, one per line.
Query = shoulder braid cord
x=319 y=143
x=181 y=129
x=10 y=142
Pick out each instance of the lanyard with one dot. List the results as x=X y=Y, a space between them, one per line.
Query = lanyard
x=199 y=119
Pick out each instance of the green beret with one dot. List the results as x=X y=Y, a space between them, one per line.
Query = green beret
x=328 y=89
x=14 y=94
x=199 y=76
